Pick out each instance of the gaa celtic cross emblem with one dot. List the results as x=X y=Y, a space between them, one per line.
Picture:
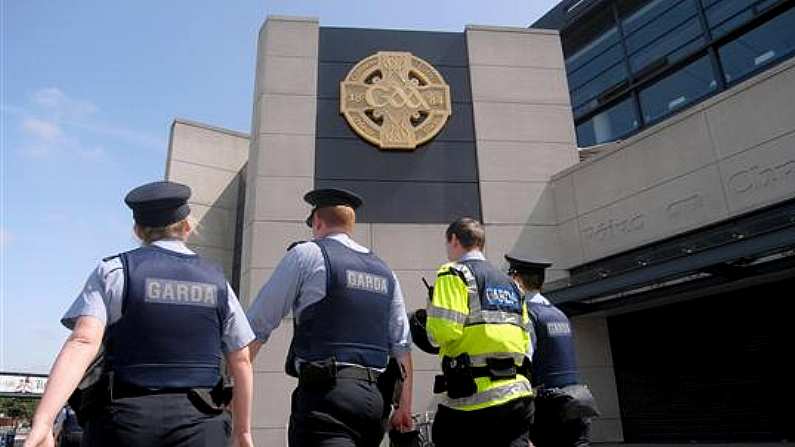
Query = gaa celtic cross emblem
x=395 y=100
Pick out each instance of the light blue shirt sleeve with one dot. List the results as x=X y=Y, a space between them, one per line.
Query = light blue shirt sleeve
x=298 y=281
x=101 y=296
x=399 y=334
x=237 y=332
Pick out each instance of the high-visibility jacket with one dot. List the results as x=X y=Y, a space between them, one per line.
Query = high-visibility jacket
x=478 y=310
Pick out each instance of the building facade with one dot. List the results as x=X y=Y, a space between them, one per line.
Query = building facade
x=668 y=246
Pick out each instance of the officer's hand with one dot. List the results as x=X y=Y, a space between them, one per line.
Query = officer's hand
x=401 y=420
x=40 y=436
x=242 y=440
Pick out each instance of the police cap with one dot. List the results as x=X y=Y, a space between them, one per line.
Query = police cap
x=526 y=265
x=327 y=197
x=159 y=204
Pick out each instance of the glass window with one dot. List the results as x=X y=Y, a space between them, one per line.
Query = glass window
x=674 y=45
x=609 y=125
x=639 y=14
x=664 y=23
x=595 y=66
x=726 y=15
x=585 y=40
x=678 y=89
x=761 y=46
x=599 y=85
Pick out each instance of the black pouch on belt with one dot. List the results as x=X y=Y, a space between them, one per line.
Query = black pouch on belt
x=319 y=375
x=459 y=377
x=503 y=368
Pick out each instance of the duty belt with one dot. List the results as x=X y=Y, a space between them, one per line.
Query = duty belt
x=494 y=374
x=358 y=373
x=121 y=390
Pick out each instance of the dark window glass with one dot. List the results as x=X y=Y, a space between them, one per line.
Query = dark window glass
x=677 y=90
x=599 y=85
x=595 y=66
x=764 y=4
x=761 y=46
x=674 y=45
x=726 y=15
x=658 y=18
x=609 y=125
x=589 y=38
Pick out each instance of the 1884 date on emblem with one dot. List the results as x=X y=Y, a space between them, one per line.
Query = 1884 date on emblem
x=395 y=100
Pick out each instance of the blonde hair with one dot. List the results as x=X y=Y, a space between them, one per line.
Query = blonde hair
x=339 y=216
x=177 y=230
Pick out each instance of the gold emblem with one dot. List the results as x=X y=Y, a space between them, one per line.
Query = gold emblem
x=395 y=100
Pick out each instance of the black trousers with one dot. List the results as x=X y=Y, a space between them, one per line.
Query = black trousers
x=550 y=430
x=350 y=414
x=161 y=420
x=506 y=425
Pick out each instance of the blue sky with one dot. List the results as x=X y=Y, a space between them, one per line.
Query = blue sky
x=89 y=90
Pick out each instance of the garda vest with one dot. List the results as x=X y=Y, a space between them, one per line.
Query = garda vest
x=554 y=361
x=493 y=326
x=500 y=301
x=169 y=335
x=351 y=324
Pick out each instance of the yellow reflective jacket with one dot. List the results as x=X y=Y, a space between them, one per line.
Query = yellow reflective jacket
x=464 y=319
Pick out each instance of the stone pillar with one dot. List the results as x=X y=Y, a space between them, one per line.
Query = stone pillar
x=595 y=360
x=280 y=171
x=524 y=133
x=209 y=160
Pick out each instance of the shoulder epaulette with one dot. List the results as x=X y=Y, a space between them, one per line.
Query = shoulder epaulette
x=290 y=247
x=108 y=258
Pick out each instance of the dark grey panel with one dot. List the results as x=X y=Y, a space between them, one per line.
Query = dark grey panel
x=331 y=73
x=353 y=45
x=355 y=159
x=331 y=124
x=411 y=202
x=434 y=183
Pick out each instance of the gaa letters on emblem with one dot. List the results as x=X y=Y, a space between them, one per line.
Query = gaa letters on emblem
x=395 y=100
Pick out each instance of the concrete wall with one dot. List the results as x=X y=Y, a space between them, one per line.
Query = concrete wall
x=209 y=160
x=595 y=362
x=280 y=171
x=729 y=155
x=524 y=134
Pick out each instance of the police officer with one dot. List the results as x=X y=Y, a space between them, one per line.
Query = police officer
x=349 y=318
x=563 y=408
x=165 y=317
x=477 y=318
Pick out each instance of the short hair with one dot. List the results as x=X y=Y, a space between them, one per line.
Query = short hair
x=530 y=280
x=468 y=231
x=337 y=216
x=177 y=229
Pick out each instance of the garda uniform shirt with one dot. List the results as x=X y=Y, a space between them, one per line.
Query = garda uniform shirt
x=103 y=293
x=300 y=281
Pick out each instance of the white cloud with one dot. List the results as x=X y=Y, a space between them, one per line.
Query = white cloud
x=56 y=123
x=41 y=129
x=54 y=101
